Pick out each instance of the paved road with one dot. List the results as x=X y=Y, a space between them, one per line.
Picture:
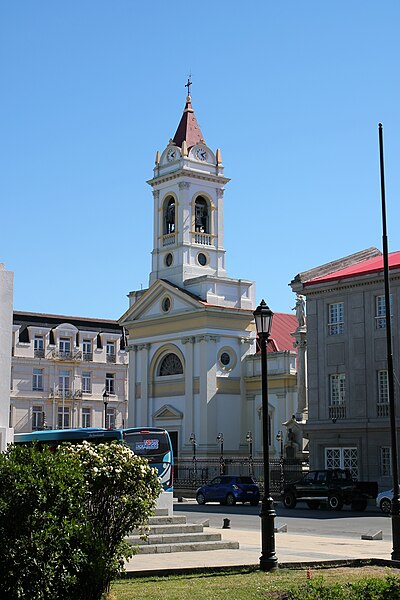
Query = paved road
x=345 y=523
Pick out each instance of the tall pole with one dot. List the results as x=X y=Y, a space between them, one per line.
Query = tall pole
x=268 y=559
x=395 y=512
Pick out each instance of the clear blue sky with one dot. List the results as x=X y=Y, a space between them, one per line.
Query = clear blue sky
x=292 y=92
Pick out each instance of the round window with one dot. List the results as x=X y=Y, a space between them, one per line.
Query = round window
x=225 y=359
x=169 y=259
x=202 y=258
x=166 y=304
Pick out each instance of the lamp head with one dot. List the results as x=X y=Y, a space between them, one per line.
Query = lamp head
x=263 y=318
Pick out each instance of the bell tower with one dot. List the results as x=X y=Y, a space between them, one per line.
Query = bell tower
x=188 y=190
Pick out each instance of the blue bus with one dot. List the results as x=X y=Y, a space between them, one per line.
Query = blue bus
x=152 y=443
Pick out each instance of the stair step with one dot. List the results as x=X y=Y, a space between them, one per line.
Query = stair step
x=171 y=529
x=178 y=520
x=188 y=547
x=174 y=538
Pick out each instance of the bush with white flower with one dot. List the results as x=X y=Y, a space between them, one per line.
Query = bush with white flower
x=64 y=516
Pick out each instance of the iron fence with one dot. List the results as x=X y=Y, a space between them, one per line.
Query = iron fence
x=189 y=474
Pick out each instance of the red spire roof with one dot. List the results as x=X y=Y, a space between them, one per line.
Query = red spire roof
x=188 y=128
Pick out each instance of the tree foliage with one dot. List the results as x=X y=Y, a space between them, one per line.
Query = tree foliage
x=64 y=515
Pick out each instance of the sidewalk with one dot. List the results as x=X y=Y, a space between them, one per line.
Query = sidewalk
x=290 y=548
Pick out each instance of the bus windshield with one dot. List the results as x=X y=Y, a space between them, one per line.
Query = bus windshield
x=153 y=445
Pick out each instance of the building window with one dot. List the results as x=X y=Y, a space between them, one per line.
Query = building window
x=169 y=216
x=65 y=347
x=87 y=350
x=385 y=461
x=37 y=382
x=37 y=418
x=201 y=216
x=110 y=421
x=87 y=383
x=38 y=346
x=63 y=417
x=170 y=365
x=86 y=417
x=64 y=381
x=337 y=396
x=110 y=383
x=342 y=458
x=336 y=318
x=383 y=394
x=380 y=311
x=110 y=352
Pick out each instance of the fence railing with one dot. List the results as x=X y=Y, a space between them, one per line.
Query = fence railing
x=191 y=473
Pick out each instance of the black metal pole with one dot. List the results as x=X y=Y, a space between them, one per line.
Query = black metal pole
x=268 y=559
x=105 y=414
x=395 y=513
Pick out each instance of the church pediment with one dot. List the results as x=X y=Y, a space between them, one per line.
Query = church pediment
x=162 y=299
x=167 y=412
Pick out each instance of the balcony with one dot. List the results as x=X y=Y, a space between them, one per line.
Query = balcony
x=39 y=353
x=71 y=356
x=111 y=358
x=337 y=411
x=168 y=239
x=204 y=239
x=382 y=409
x=65 y=393
x=87 y=356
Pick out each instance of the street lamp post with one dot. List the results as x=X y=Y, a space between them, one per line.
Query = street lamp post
x=279 y=438
x=268 y=560
x=249 y=440
x=220 y=440
x=106 y=396
x=395 y=512
x=192 y=440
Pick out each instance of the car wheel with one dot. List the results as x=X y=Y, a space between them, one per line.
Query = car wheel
x=313 y=504
x=289 y=500
x=359 y=504
x=230 y=500
x=335 y=502
x=386 y=506
x=201 y=499
x=254 y=502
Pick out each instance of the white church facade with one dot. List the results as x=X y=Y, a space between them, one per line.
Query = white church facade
x=193 y=363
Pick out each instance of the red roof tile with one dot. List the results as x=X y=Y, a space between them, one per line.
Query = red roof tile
x=188 y=128
x=372 y=265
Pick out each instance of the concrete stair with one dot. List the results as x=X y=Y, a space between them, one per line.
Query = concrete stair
x=174 y=534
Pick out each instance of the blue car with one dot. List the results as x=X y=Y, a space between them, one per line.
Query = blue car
x=229 y=489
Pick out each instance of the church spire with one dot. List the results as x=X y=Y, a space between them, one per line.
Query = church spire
x=188 y=128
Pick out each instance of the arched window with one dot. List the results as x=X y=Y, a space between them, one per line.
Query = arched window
x=170 y=365
x=169 y=216
x=201 y=215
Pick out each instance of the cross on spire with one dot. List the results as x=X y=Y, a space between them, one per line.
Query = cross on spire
x=188 y=84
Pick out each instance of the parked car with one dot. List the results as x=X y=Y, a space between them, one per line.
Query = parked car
x=229 y=489
x=384 y=501
x=334 y=487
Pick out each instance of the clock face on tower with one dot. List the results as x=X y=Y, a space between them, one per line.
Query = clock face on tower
x=201 y=154
x=171 y=154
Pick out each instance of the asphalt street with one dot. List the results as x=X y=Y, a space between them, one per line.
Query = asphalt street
x=344 y=523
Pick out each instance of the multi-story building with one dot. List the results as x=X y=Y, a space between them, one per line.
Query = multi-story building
x=348 y=403
x=67 y=372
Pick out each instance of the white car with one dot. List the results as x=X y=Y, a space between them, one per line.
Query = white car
x=384 y=501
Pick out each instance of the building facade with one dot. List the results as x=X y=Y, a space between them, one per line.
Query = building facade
x=193 y=363
x=67 y=372
x=348 y=403
x=6 y=311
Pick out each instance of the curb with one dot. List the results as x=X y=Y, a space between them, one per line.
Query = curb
x=318 y=564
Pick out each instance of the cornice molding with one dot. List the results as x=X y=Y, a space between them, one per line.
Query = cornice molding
x=185 y=173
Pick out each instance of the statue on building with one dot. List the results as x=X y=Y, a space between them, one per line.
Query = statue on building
x=300 y=309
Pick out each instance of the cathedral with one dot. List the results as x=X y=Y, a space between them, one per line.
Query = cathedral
x=193 y=362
